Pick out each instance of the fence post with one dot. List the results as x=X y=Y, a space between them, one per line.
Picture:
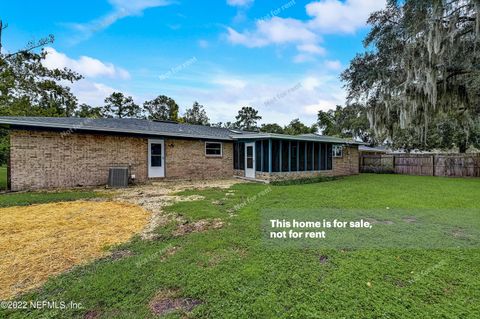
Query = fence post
x=433 y=164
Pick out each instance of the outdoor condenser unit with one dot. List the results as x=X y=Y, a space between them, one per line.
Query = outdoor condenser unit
x=118 y=177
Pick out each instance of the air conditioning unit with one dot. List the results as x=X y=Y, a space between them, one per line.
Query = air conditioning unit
x=118 y=177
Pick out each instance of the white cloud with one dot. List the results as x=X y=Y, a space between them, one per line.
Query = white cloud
x=334 y=16
x=323 y=105
x=327 y=17
x=311 y=48
x=334 y=65
x=91 y=93
x=275 y=31
x=239 y=3
x=311 y=83
x=277 y=100
x=86 y=66
x=230 y=82
x=121 y=9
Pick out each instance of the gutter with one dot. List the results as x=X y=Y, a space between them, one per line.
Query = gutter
x=96 y=129
x=295 y=138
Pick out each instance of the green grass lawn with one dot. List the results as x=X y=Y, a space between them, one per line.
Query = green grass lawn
x=235 y=275
x=22 y=199
x=3 y=177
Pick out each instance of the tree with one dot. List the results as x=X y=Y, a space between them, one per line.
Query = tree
x=247 y=119
x=295 y=127
x=28 y=88
x=227 y=125
x=162 y=108
x=423 y=67
x=87 y=111
x=119 y=106
x=346 y=122
x=272 y=128
x=196 y=115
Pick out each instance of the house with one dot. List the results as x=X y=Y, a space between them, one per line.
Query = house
x=367 y=150
x=69 y=152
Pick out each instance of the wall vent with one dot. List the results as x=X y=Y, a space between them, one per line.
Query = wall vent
x=118 y=177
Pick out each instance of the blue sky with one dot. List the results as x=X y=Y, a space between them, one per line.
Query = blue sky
x=281 y=57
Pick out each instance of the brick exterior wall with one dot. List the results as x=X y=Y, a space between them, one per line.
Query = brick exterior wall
x=342 y=166
x=185 y=159
x=348 y=164
x=43 y=159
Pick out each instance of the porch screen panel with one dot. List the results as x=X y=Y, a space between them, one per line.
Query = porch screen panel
x=285 y=152
x=309 y=156
x=301 y=156
x=293 y=157
x=323 y=157
x=258 y=156
x=316 y=151
x=275 y=156
x=236 y=155
x=329 y=156
x=265 y=155
x=241 y=155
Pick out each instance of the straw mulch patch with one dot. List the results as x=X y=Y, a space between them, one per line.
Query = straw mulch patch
x=39 y=241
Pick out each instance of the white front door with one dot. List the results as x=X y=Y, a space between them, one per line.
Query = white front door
x=156 y=158
x=250 y=160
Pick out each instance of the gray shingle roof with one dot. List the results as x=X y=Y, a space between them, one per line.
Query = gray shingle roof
x=133 y=126
x=154 y=128
x=303 y=137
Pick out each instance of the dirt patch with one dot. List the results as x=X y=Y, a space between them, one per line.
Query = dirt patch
x=198 y=226
x=323 y=259
x=459 y=233
x=381 y=222
x=158 y=195
x=120 y=254
x=91 y=314
x=170 y=251
x=52 y=238
x=168 y=302
x=409 y=219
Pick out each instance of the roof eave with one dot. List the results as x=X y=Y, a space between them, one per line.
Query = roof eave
x=294 y=137
x=110 y=130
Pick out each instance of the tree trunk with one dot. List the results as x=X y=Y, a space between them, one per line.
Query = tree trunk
x=462 y=147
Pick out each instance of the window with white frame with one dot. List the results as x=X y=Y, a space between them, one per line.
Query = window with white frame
x=337 y=151
x=213 y=149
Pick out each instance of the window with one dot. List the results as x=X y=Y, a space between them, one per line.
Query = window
x=337 y=151
x=213 y=149
x=156 y=155
x=249 y=156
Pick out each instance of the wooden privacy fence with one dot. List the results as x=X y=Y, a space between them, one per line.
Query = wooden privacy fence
x=455 y=165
